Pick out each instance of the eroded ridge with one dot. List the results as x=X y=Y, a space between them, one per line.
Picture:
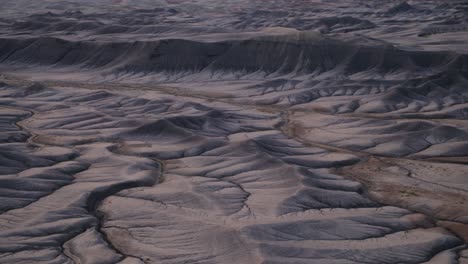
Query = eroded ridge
x=145 y=177
x=206 y=131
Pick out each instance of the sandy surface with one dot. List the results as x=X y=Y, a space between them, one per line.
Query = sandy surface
x=233 y=132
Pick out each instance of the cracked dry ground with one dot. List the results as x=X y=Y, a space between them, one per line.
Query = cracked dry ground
x=93 y=175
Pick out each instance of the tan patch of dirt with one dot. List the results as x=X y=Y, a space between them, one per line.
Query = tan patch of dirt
x=389 y=181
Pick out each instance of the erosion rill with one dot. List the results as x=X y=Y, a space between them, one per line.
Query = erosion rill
x=242 y=131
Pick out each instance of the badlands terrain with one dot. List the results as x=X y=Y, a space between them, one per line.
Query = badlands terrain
x=237 y=132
